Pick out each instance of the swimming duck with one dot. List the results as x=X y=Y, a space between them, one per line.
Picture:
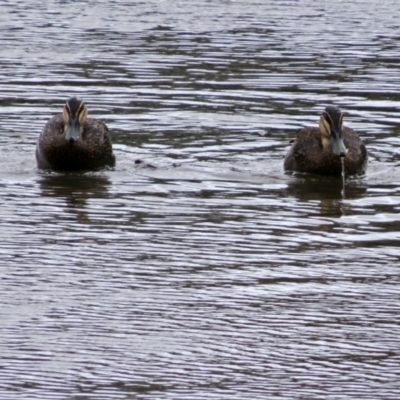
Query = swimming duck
x=319 y=150
x=70 y=141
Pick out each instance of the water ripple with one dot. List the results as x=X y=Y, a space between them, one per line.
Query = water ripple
x=197 y=268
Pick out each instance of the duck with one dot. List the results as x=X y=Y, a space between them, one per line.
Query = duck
x=71 y=141
x=319 y=150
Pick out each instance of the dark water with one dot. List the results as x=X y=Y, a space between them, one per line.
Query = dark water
x=214 y=274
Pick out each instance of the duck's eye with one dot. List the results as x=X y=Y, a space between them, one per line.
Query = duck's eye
x=62 y=129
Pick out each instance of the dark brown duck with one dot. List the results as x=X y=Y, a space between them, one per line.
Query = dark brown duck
x=319 y=150
x=70 y=141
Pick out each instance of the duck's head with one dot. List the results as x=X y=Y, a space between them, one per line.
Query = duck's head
x=75 y=114
x=331 y=128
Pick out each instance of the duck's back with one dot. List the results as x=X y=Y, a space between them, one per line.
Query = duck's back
x=308 y=155
x=92 y=151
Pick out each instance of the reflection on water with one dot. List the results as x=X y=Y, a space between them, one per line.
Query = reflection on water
x=328 y=191
x=204 y=270
x=76 y=189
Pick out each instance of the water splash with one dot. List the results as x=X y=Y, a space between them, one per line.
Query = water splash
x=343 y=176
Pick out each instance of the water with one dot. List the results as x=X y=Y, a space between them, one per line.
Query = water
x=343 y=176
x=204 y=271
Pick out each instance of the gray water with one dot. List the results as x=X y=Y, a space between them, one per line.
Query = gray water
x=204 y=271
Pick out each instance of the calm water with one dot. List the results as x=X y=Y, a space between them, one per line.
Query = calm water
x=205 y=271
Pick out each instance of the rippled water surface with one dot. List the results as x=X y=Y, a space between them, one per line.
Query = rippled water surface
x=203 y=271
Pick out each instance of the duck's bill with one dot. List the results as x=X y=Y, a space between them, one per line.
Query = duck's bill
x=337 y=143
x=73 y=132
